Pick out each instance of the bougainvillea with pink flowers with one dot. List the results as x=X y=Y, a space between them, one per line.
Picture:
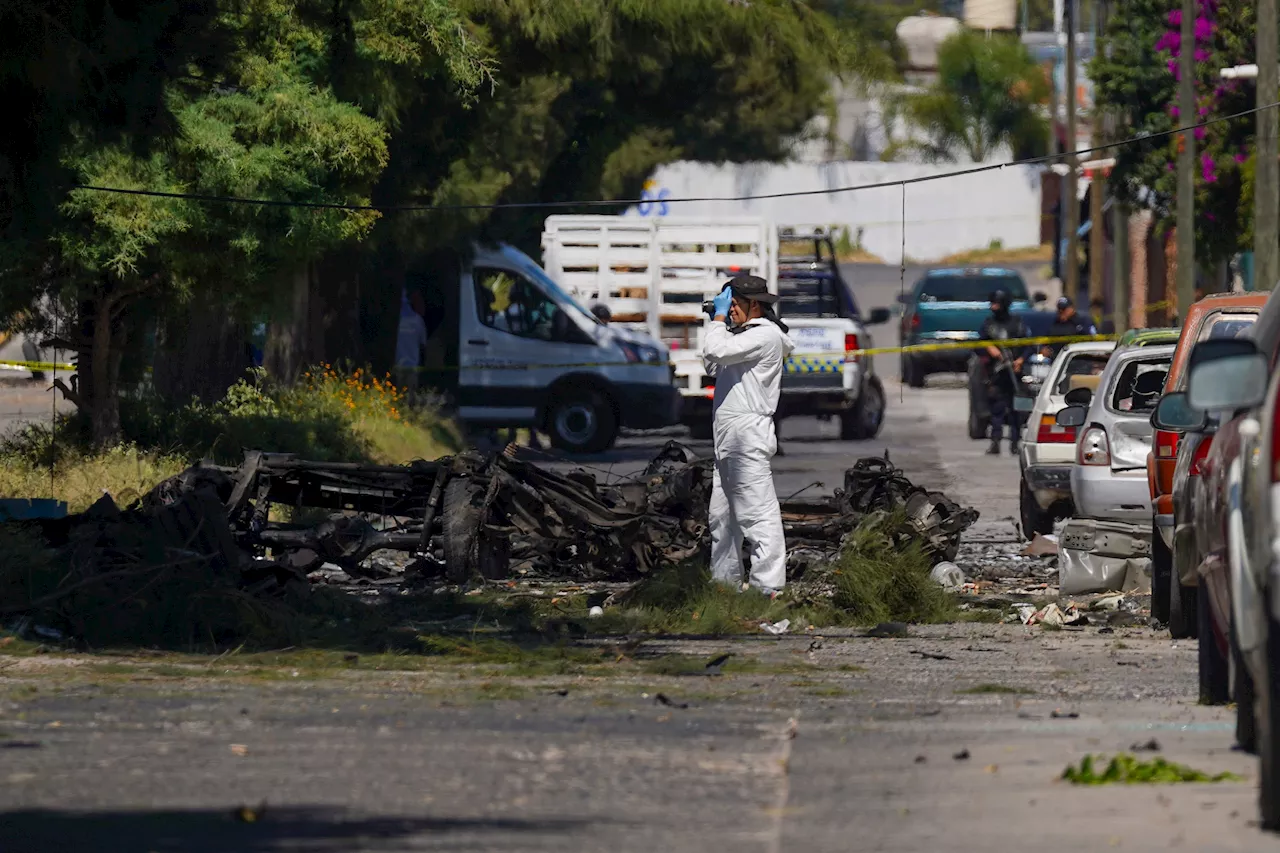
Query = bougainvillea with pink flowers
x=1136 y=73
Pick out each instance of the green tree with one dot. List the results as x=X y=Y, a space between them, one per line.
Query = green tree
x=990 y=94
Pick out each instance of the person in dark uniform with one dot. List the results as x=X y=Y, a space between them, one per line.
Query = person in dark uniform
x=1003 y=366
x=1070 y=323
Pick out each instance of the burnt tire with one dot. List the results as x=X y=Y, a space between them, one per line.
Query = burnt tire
x=581 y=422
x=1034 y=519
x=470 y=551
x=864 y=420
x=1161 y=576
x=1214 y=675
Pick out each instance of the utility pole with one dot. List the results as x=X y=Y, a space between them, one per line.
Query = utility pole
x=1187 y=162
x=1266 y=185
x=1070 y=202
x=1098 y=182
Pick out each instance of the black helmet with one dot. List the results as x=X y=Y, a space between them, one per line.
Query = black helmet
x=1001 y=297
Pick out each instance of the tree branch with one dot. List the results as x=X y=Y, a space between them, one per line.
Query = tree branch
x=69 y=395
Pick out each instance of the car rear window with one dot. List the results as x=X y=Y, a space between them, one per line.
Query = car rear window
x=1130 y=396
x=970 y=288
x=1227 y=326
x=1081 y=364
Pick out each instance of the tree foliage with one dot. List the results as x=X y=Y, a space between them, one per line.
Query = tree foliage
x=989 y=96
x=1135 y=77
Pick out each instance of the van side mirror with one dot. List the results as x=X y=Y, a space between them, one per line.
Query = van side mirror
x=1232 y=382
x=1079 y=397
x=878 y=316
x=1071 y=416
x=1176 y=414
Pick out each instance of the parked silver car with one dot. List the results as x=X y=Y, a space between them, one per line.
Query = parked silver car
x=1109 y=480
x=1048 y=451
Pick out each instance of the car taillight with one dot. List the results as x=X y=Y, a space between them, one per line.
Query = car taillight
x=1051 y=433
x=1202 y=453
x=915 y=321
x=850 y=342
x=1094 y=449
x=1166 y=444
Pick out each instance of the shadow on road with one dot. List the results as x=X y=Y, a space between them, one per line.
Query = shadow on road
x=305 y=829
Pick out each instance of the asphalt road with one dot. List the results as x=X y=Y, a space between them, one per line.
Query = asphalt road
x=833 y=744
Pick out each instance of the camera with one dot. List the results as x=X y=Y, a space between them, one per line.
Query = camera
x=709 y=308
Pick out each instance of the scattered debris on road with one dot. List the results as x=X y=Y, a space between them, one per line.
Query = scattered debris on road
x=1128 y=770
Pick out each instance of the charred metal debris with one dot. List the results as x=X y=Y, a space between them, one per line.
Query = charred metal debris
x=470 y=516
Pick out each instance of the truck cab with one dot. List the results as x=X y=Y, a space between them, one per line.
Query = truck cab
x=530 y=355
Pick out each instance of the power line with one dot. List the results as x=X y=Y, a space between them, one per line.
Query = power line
x=528 y=205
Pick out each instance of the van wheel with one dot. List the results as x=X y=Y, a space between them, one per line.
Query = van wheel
x=864 y=420
x=582 y=423
x=1214 y=677
x=1182 y=608
x=470 y=550
x=1161 y=574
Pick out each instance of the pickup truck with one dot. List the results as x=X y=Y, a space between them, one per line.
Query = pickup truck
x=652 y=275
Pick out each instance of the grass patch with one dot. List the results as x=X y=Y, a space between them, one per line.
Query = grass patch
x=998 y=689
x=1125 y=769
x=80 y=478
x=829 y=692
x=983 y=616
x=514 y=658
x=997 y=254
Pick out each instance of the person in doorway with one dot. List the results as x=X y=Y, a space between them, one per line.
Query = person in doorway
x=410 y=340
x=1003 y=366
x=746 y=362
x=1098 y=313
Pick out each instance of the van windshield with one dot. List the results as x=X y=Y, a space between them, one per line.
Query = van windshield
x=539 y=276
x=975 y=288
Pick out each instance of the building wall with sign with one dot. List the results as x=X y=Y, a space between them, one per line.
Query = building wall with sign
x=943 y=216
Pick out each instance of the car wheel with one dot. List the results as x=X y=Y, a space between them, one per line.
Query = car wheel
x=1245 y=699
x=1034 y=519
x=582 y=423
x=1182 y=609
x=863 y=421
x=1214 y=675
x=1161 y=572
x=1268 y=721
x=912 y=374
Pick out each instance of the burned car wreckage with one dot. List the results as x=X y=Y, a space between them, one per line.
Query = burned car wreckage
x=472 y=516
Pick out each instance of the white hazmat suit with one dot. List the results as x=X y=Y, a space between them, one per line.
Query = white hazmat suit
x=747 y=367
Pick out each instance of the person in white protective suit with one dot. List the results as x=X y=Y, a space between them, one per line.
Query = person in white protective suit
x=746 y=362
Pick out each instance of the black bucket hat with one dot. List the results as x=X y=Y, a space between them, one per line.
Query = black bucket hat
x=752 y=287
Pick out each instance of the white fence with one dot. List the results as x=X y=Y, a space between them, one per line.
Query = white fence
x=943 y=216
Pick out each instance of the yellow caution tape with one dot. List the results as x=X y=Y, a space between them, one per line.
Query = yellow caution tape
x=796 y=364
x=38 y=365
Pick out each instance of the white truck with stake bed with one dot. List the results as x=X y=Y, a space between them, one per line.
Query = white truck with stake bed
x=653 y=275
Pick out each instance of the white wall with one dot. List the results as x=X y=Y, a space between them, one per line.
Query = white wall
x=943 y=216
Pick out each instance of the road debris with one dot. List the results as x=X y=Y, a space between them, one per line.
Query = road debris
x=889 y=630
x=962 y=755
x=1152 y=745
x=777 y=628
x=1128 y=770
x=662 y=699
x=931 y=655
x=1043 y=545
x=948 y=575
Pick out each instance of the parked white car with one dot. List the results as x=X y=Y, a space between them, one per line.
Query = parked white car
x=1048 y=451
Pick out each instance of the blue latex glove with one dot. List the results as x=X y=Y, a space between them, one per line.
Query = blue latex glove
x=722 y=302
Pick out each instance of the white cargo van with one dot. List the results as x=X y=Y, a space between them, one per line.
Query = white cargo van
x=529 y=354
x=654 y=274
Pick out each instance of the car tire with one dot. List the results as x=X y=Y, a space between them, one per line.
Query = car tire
x=468 y=549
x=1161 y=573
x=912 y=374
x=582 y=423
x=864 y=420
x=1268 y=721
x=1034 y=519
x=1215 y=687
x=1182 y=609
x=1245 y=696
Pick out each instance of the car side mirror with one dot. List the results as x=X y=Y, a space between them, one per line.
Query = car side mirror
x=1079 y=397
x=1071 y=416
x=1232 y=382
x=1039 y=297
x=1219 y=348
x=878 y=316
x=905 y=299
x=1175 y=413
